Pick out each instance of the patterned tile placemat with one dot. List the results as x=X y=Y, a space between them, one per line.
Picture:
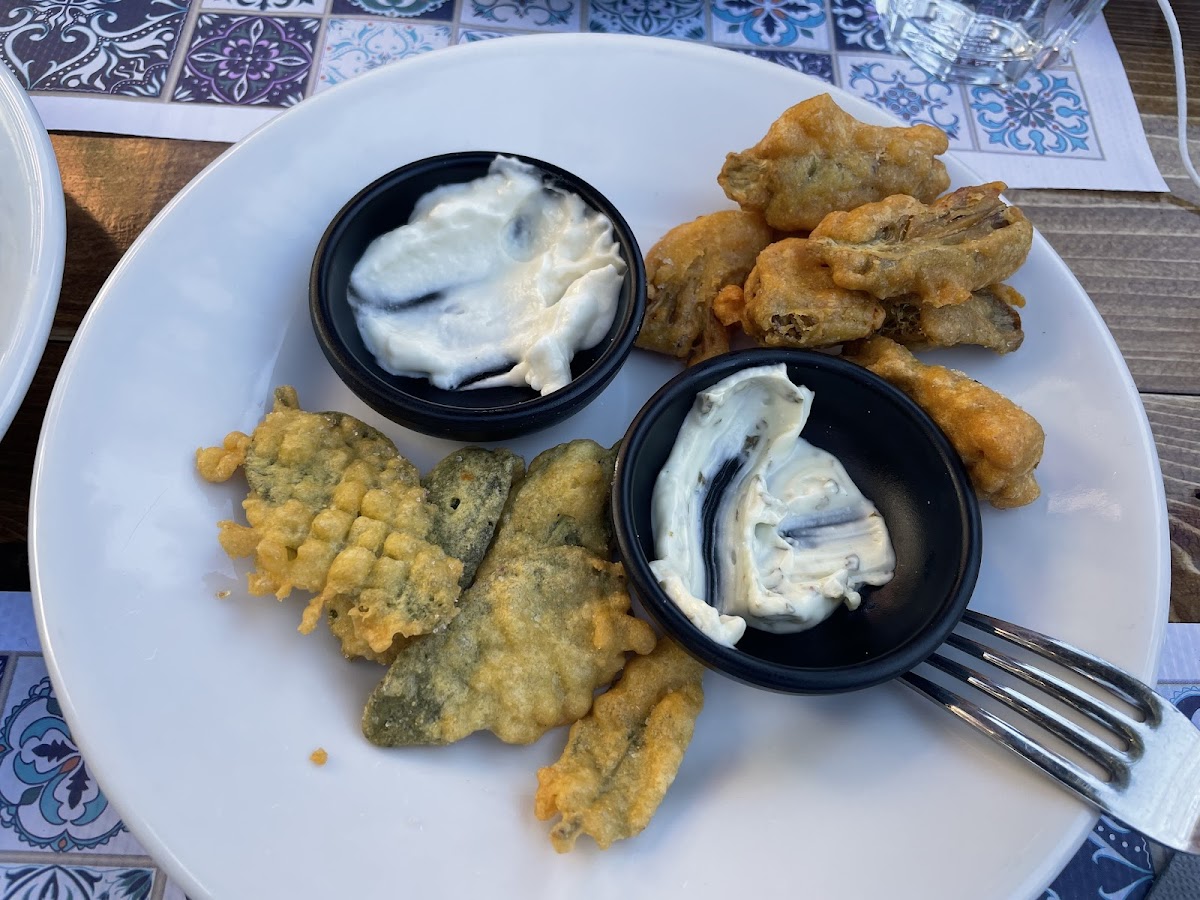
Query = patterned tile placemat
x=215 y=69
x=61 y=840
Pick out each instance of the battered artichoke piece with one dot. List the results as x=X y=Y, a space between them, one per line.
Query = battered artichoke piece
x=334 y=509
x=622 y=757
x=817 y=158
x=988 y=319
x=999 y=442
x=789 y=300
x=963 y=242
x=684 y=271
x=469 y=489
x=561 y=502
x=536 y=637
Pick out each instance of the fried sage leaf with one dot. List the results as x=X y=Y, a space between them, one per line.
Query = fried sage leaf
x=534 y=640
x=469 y=489
x=333 y=508
x=622 y=757
x=561 y=502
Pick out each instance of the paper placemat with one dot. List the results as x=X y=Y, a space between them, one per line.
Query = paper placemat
x=216 y=69
x=60 y=838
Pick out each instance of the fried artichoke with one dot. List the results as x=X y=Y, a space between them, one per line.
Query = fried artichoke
x=789 y=300
x=816 y=158
x=963 y=242
x=999 y=442
x=684 y=272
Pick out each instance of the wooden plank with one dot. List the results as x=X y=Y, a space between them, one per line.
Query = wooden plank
x=1175 y=422
x=114 y=186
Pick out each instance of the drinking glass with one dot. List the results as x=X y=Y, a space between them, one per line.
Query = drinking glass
x=985 y=41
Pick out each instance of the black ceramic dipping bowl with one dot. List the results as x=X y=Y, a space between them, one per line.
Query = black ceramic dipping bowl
x=899 y=459
x=485 y=414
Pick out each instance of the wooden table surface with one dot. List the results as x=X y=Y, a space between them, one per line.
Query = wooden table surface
x=1137 y=255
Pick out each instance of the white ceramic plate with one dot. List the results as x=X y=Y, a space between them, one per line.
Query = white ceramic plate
x=198 y=714
x=32 y=243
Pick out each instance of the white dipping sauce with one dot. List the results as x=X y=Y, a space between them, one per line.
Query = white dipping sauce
x=793 y=537
x=499 y=275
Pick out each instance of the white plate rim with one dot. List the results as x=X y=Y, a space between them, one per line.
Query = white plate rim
x=513 y=45
x=48 y=216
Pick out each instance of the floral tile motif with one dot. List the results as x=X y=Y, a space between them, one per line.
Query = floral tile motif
x=818 y=65
x=49 y=799
x=473 y=35
x=776 y=24
x=41 y=882
x=296 y=6
x=1186 y=698
x=1043 y=114
x=1114 y=862
x=540 y=15
x=903 y=89
x=172 y=891
x=661 y=18
x=248 y=60
x=121 y=47
x=857 y=26
x=439 y=10
x=354 y=46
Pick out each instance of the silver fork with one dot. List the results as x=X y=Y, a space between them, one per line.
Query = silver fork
x=1153 y=782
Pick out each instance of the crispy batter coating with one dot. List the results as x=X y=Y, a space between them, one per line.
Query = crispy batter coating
x=790 y=301
x=536 y=637
x=988 y=319
x=334 y=509
x=964 y=241
x=469 y=489
x=622 y=757
x=561 y=502
x=999 y=442
x=817 y=158
x=684 y=271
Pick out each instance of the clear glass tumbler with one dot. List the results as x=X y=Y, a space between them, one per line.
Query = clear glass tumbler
x=985 y=41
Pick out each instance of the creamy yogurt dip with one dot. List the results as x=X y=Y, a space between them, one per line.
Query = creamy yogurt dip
x=498 y=281
x=792 y=537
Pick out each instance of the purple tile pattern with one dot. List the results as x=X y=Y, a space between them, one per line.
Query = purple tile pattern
x=91 y=46
x=248 y=60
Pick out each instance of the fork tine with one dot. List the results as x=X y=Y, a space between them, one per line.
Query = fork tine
x=1067 y=772
x=1042 y=715
x=1155 y=786
x=1125 y=727
x=1093 y=667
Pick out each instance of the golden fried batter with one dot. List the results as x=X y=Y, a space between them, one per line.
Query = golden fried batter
x=533 y=641
x=961 y=243
x=817 y=158
x=999 y=442
x=988 y=320
x=622 y=757
x=561 y=502
x=334 y=509
x=684 y=271
x=469 y=489
x=790 y=301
